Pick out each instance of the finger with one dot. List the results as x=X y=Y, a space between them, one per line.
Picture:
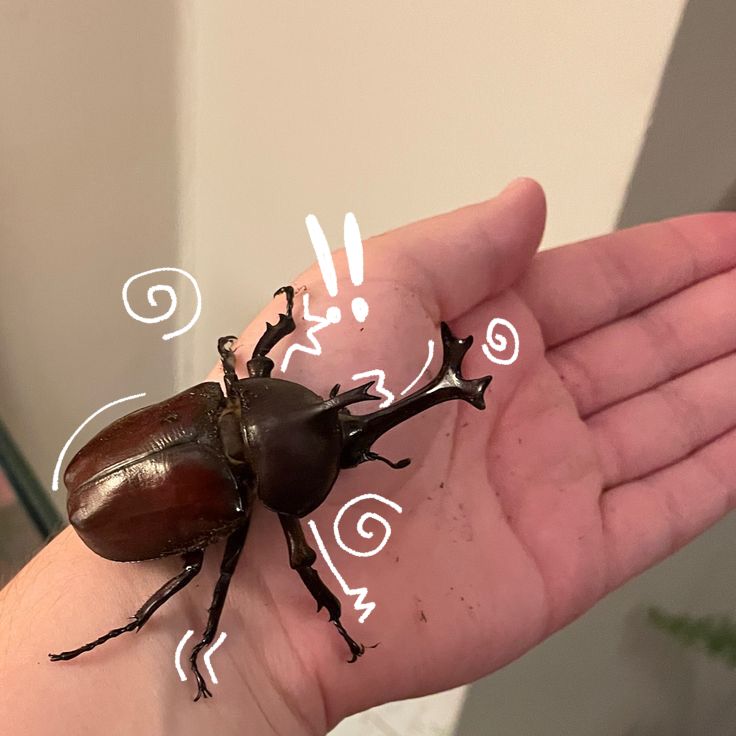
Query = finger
x=664 y=425
x=649 y=519
x=575 y=289
x=665 y=340
x=461 y=258
x=449 y=262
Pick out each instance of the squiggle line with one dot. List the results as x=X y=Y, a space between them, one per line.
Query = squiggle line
x=57 y=469
x=361 y=593
x=332 y=317
x=381 y=376
x=430 y=349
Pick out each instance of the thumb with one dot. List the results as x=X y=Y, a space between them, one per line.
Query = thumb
x=468 y=255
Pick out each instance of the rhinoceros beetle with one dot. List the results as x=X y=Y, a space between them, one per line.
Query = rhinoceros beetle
x=174 y=477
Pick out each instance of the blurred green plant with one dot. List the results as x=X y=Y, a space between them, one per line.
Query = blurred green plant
x=716 y=634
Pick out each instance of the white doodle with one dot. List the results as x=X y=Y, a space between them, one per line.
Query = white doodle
x=354 y=252
x=177 y=655
x=57 y=468
x=171 y=293
x=379 y=387
x=430 y=351
x=332 y=317
x=361 y=524
x=499 y=342
x=359 y=593
x=207 y=656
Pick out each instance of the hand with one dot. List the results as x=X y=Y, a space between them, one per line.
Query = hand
x=607 y=445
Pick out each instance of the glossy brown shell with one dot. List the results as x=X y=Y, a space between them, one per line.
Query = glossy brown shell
x=156 y=481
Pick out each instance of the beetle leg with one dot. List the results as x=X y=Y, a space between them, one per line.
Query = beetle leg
x=398 y=465
x=227 y=356
x=192 y=565
x=260 y=366
x=360 y=432
x=301 y=559
x=233 y=548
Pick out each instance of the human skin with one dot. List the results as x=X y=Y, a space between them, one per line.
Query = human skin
x=608 y=444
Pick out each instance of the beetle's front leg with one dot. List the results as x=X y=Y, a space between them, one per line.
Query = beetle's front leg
x=227 y=356
x=233 y=548
x=301 y=559
x=260 y=365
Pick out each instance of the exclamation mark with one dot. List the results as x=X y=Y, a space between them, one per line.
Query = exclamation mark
x=354 y=250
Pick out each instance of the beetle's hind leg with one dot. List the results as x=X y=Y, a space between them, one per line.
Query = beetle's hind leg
x=233 y=548
x=301 y=559
x=192 y=566
x=260 y=366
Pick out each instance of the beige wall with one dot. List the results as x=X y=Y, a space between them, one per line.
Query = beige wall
x=397 y=111
x=88 y=197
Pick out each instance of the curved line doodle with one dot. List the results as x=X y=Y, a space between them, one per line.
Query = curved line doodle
x=207 y=656
x=210 y=652
x=57 y=468
x=177 y=655
x=430 y=351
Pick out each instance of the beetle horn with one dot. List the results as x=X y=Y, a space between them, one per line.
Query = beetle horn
x=360 y=432
x=351 y=396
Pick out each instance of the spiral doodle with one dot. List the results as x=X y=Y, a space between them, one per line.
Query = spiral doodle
x=361 y=524
x=169 y=291
x=499 y=343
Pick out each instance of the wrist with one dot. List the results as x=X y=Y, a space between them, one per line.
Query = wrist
x=68 y=595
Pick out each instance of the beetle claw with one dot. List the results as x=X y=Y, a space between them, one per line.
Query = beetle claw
x=202 y=690
x=358 y=650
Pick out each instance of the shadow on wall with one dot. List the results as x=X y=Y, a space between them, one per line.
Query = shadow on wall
x=88 y=197
x=688 y=160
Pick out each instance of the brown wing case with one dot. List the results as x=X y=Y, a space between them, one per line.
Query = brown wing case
x=161 y=467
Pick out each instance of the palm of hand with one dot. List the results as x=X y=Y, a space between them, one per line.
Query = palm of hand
x=506 y=534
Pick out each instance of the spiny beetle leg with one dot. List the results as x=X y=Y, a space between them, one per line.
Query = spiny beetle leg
x=260 y=366
x=360 y=432
x=233 y=548
x=227 y=356
x=301 y=559
x=192 y=566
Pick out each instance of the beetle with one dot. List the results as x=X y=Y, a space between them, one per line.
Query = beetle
x=174 y=477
